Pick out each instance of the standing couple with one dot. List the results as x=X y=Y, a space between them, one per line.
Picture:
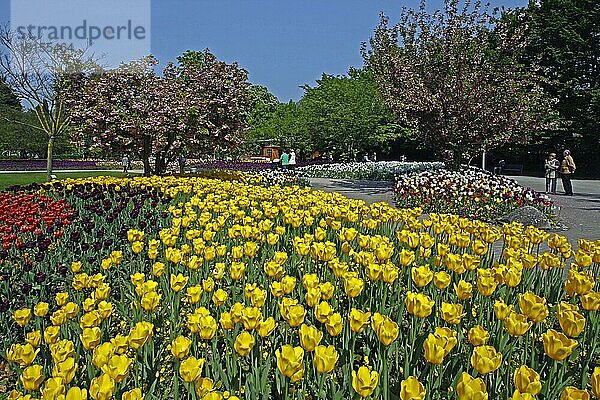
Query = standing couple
x=566 y=169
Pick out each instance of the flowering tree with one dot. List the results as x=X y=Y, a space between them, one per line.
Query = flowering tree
x=37 y=74
x=455 y=75
x=131 y=110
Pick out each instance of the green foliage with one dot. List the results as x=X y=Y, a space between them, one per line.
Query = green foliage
x=347 y=116
x=342 y=115
x=563 y=41
x=262 y=104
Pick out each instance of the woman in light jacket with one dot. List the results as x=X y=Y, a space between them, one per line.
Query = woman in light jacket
x=551 y=166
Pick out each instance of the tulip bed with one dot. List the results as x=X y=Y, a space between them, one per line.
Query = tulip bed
x=372 y=171
x=232 y=288
x=470 y=192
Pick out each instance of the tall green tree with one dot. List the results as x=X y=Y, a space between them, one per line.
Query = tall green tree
x=347 y=116
x=456 y=76
x=15 y=134
x=262 y=104
x=564 y=42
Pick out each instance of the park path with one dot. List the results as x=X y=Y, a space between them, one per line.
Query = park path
x=580 y=214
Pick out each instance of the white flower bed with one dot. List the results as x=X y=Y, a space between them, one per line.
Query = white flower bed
x=374 y=171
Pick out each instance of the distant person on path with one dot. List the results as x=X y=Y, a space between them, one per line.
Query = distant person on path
x=285 y=159
x=125 y=163
x=366 y=158
x=181 y=164
x=374 y=157
x=551 y=165
x=292 y=161
x=567 y=169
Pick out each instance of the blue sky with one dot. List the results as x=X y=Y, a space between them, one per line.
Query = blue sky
x=282 y=43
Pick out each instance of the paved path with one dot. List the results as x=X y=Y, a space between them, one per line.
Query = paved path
x=579 y=213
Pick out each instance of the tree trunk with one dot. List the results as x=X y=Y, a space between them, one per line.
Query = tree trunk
x=146 y=156
x=49 y=158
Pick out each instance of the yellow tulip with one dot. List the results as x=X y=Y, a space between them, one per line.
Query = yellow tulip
x=517 y=324
x=387 y=330
x=325 y=359
x=118 y=367
x=204 y=386
x=102 y=387
x=469 y=388
x=251 y=317
x=140 y=334
x=90 y=337
x=193 y=294
x=65 y=370
x=236 y=270
x=501 y=309
x=572 y=393
x=180 y=346
x=486 y=359
x=32 y=377
x=61 y=298
x=364 y=381
x=289 y=362
x=133 y=394
x=76 y=393
x=41 y=309
x=323 y=311
x=266 y=327
x=421 y=275
x=464 y=290
x=486 y=284
x=478 y=336
x=22 y=316
x=334 y=324
x=53 y=388
x=150 y=301
x=178 y=282
x=191 y=368
x=102 y=354
x=590 y=301
x=527 y=380
x=418 y=304
x=359 y=320
x=353 y=286
x=244 y=343
x=557 y=346
x=442 y=280
x=310 y=337
x=61 y=350
x=595 y=382
x=412 y=389
x=533 y=306
x=451 y=313
x=571 y=320
x=295 y=315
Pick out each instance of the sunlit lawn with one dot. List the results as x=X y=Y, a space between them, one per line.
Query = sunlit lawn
x=11 y=179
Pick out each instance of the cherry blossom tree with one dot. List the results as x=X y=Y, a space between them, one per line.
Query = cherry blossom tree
x=190 y=109
x=456 y=77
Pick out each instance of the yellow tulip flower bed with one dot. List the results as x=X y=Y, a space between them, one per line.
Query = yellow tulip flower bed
x=282 y=292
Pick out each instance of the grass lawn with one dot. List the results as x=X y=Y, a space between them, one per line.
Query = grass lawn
x=7 y=180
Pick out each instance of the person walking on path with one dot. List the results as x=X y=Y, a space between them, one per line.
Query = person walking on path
x=292 y=161
x=567 y=169
x=125 y=163
x=285 y=159
x=551 y=165
x=181 y=164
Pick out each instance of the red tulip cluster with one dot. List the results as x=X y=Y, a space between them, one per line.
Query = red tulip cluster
x=23 y=217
